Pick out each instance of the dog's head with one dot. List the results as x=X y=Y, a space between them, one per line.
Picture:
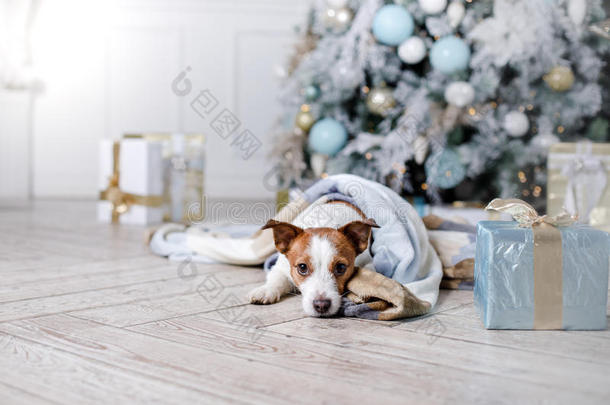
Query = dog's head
x=321 y=260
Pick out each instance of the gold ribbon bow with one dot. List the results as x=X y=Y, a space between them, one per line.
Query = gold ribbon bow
x=548 y=258
x=121 y=201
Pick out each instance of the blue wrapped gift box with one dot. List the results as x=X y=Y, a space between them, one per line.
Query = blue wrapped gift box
x=504 y=276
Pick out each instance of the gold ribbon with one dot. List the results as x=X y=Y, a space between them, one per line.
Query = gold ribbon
x=548 y=258
x=121 y=201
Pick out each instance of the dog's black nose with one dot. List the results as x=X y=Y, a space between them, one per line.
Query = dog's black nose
x=321 y=305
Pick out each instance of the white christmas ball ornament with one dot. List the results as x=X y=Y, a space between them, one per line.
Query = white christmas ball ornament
x=544 y=141
x=516 y=123
x=432 y=6
x=336 y=3
x=459 y=94
x=577 y=11
x=412 y=51
x=455 y=13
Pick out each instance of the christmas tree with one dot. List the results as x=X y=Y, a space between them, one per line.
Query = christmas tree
x=452 y=101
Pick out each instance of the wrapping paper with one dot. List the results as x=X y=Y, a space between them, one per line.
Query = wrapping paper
x=183 y=162
x=504 y=276
x=579 y=180
x=140 y=167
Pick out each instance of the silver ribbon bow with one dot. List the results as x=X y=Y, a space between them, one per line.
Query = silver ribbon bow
x=526 y=215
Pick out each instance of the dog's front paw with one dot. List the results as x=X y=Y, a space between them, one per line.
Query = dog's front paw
x=264 y=295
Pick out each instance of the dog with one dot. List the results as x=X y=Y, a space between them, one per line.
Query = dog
x=317 y=260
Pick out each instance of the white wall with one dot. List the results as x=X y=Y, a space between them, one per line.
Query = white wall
x=15 y=116
x=108 y=69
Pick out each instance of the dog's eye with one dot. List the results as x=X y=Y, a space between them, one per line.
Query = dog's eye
x=302 y=269
x=340 y=268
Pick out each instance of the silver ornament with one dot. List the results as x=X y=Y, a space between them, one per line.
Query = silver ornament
x=304 y=119
x=338 y=19
x=380 y=100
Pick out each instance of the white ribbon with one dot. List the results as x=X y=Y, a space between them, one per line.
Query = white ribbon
x=587 y=179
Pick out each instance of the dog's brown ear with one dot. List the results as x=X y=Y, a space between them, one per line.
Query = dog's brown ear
x=358 y=233
x=283 y=234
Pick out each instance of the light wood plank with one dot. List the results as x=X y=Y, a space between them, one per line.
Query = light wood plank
x=507 y=364
x=153 y=309
x=10 y=395
x=233 y=371
x=466 y=324
x=69 y=378
x=288 y=309
x=163 y=336
x=120 y=295
x=92 y=280
x=336 y=359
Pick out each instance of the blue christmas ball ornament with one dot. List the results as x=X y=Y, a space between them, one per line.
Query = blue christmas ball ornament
x=444 y=169
x=449 y=55
x=312 y=92
x=327 y=136
x=392 y=25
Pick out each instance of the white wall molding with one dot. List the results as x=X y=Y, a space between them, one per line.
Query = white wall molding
x=119 y=81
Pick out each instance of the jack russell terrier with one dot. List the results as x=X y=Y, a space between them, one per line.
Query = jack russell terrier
x=318 y=259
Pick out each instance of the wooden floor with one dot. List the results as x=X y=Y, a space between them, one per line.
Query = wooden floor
x=88 y=315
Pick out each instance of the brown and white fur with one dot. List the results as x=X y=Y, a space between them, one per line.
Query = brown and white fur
x=318 y=260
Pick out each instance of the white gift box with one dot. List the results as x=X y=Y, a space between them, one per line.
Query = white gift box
x=579 y=181
x=140 y=174
x=183 y=162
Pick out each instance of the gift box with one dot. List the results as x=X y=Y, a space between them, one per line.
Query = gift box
x=540 y=272
x=130 y=182
x=183 y=164
x=577 y=180
x=149 y=178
